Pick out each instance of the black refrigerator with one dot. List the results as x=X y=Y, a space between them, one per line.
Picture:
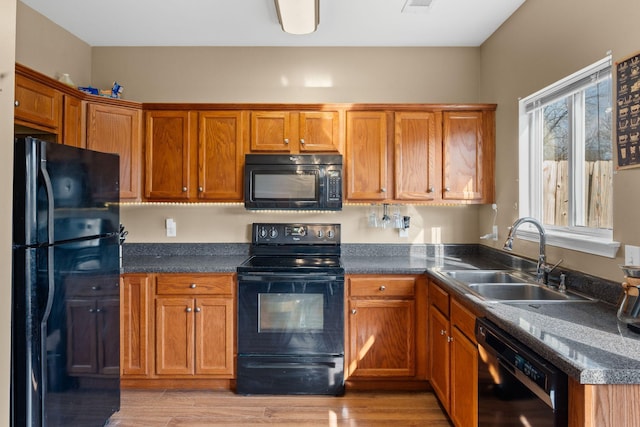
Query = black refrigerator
x=65 y=341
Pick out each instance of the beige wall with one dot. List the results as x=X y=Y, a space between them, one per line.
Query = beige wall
x=286 y=74
x=7 y=82
x=231 y=223
x=46 y=47
x=542 y=42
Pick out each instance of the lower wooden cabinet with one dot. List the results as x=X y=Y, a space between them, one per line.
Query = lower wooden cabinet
x=178 y=327
x=454 y=356
x=386 y=321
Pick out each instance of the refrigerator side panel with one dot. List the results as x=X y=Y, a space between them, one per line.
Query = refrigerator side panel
x=25 y=182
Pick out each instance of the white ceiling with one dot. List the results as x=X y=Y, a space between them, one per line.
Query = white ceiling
x=255 y=23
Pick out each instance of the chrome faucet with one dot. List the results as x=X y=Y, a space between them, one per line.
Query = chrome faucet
x=542 y=271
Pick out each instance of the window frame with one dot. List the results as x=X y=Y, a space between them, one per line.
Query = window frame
x=530 y=157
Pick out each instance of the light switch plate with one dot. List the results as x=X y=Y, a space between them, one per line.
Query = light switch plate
x=631 y=255
x=170 y=225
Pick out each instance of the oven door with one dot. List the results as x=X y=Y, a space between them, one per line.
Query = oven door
x=292 y=314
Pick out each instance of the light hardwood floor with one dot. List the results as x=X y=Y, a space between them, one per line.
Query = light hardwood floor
x=224 y=408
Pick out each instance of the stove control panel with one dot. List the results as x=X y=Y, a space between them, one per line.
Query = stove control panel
x=295 y=234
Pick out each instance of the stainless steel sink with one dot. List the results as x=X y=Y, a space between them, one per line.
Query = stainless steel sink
x=485 y=276
x=525 y=292
x=510 y=286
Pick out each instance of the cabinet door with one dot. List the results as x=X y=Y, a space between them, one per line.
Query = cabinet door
x=114 y=129
x=82 y=343
x=417 y=155
x=270 y=131
x=463 y=155
x=174 y=336
x=440 y=354
x=464 y=383
x=168 y=155
x=319 y=131
x=108 y=335
x=37 y=105
x=214 y=336
x=382 y=338
x=73 y=128
x=367 y=163
x=134 y=324
x=221 y=155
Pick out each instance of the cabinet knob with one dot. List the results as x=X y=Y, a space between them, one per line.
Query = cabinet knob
x=189 y=310
x=95 y=288
x=447 y=189
x=354 y=311
x=16 y=103
x=449 y=339
x=200 y=189
x=91 y=310
x=98 y=310
x=383 y=189
x=286 y=141
x=431 y=189
x=198 y=309
x=382 y=288
x=442 y=332
x=192 y=286
x=302 y=141
x=184 y=189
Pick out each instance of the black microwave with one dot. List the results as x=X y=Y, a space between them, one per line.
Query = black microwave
x=293 y=181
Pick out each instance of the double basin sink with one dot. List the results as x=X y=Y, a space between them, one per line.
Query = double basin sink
x=509 y=286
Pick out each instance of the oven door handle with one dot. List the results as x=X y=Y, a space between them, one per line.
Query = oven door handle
x=289 y=365
x=262 y=277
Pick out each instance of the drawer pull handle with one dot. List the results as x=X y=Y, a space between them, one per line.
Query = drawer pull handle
x=382 y=288
x=192 y=286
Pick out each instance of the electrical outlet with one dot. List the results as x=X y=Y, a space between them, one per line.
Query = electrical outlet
x=495 y=233
x=631 y=255
x=170 y=225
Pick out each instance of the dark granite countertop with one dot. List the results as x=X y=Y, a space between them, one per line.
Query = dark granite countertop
x=584 y=339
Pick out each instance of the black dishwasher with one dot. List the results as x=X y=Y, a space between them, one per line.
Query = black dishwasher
x=516 y=386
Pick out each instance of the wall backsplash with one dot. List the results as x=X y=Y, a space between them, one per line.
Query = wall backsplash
x=230 y=223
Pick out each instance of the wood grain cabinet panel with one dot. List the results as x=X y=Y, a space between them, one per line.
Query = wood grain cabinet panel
x=221 y=155
x=368 y=176
x=169 y=154
x=115 y=129
x=418 y=147
x=386 y=328
x=74 y=122
x=195 y=326
x=454 y=357
x=295 y=131
x=465 y=148
x=135 y=323
x=37 y=105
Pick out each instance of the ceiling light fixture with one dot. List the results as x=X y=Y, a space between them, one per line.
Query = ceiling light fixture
x=298 y=16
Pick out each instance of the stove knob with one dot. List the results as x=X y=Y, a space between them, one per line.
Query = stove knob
x=262 y=233
x=330 y=234
x=273 y=233
x=320 y=234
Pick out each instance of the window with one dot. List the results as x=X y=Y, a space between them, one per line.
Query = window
x=566 y=160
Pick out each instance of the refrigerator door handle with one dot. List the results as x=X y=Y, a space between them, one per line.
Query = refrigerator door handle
x=50 y=201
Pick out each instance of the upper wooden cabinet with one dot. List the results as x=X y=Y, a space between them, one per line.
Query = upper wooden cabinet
x=368 y=176
x=37 y=105
x=295 y=132
x=73 y=124
x=116 y=129
x=468 y=156
x=418 y=150
x=193 y=155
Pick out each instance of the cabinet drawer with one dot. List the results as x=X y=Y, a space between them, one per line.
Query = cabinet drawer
x=192 y=284
x=463 y=319
x=439 y=298
x=382 y=287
